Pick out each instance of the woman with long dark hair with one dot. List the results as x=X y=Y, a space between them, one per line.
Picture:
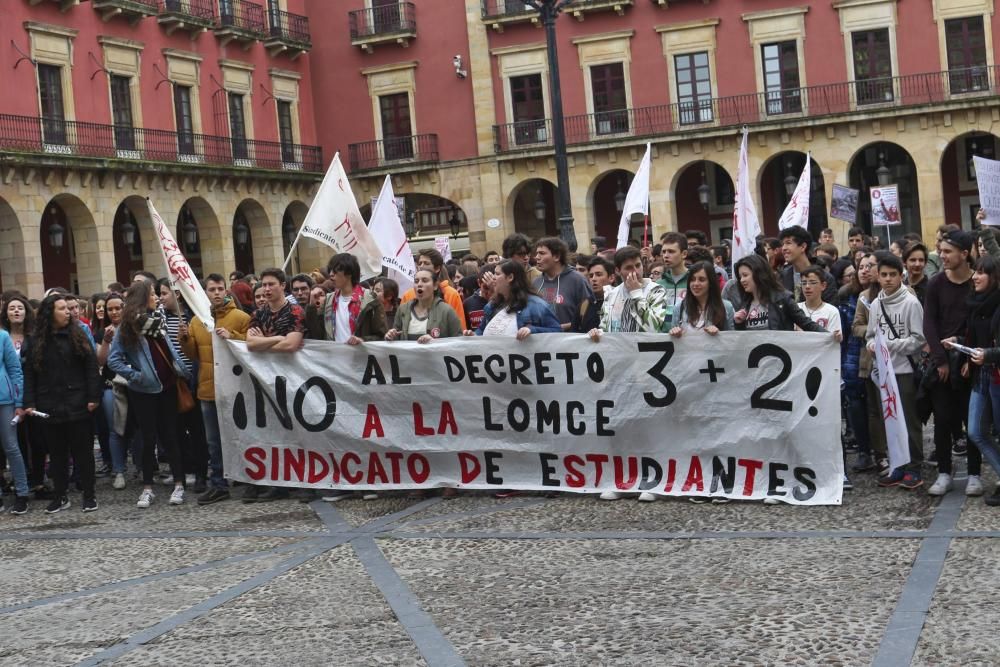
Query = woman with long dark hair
x=98 y=323
x=98 y=314
x=703 y=308
x=18 y=319
x=143 y=354
x=387 y=290
x=764 y=303
x=114 y=402
x=515 y=311
x=61 y=381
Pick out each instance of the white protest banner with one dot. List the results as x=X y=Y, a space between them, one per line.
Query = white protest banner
x=182 y=277
x=988 y=179
x=746 y=226
x=885 y=205
x=636 y=200
x=443 y=246
x=334 y=219
x=797 y=211
x=741 y=415
x=892 y=407
x=844 y=203
x=387 y=230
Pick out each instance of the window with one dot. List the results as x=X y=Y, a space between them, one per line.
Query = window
x=274 y=17
x=237 y=126
x=51 y=95
x=396 y=132
x=694 y=88
x=285 y=131
x=121 y=112
x=872 y=65
x=610 y=104
x=386 y=16
x=781 y=77
x=966 y=44
x=528 y=104
x=184 y=119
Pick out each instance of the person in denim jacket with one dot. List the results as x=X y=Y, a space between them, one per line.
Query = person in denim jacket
x=517 y=311
x=11 y=395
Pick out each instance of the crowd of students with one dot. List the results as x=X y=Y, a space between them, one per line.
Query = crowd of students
x=133 y=367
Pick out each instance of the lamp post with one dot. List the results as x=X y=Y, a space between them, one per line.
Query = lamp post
x=128 y=229
x=883 y=174
x=620 y=197
x=454 y=223
x=703 y=192
x=548 y=10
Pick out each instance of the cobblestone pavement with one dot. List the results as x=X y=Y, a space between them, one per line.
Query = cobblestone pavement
x=889 y=578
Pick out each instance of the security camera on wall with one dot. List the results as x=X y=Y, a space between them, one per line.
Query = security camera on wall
x=459 y=72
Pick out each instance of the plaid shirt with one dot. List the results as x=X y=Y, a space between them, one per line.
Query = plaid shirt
x=289 y=319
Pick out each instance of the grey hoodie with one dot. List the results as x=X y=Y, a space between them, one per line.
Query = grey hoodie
x=907 y=316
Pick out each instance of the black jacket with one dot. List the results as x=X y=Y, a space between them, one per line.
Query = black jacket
x=787 y=279
x=783 y=314
x=65 y=384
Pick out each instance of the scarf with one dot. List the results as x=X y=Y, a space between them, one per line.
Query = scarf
x=152 y=324
x=353 y=309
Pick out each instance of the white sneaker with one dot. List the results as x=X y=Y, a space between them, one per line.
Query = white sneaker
x=119 y=482
x=337 y=496
x=941 y=485
x=189 y=480
x=771 y=500
x=974 y=487
x=610 y=495
x=369 y=495
x=177 y=497
x=145 y=499
x=646 y=497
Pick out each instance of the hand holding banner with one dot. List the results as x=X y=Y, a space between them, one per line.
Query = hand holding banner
x=181 y=275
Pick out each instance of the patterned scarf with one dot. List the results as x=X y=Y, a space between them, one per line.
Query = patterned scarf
x=353 y=309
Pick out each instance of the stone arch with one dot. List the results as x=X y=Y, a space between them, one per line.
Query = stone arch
x=76 y=264
x=864 y=168
x=709 y=180
x=779 y=172
x=206 y=250
x=959 y=186
x=522 y=208
x=13 y=267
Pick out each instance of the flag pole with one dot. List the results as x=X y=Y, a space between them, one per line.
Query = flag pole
x=291 y=251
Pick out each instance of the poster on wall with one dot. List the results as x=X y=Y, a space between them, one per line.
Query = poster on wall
x=885 y=205
x=844 y=203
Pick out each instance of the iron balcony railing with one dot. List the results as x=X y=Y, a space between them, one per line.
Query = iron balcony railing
x=385 y=20
x=416 y=149
x=52 y=136
x=289 y=27
x=813 y=101
x=243 y=15
x=501 y=8
x=199 y=9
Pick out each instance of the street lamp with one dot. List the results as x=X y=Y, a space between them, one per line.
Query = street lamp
x=540 y=207
x=703 y=192
x=790 y=181
x=189 y=229
x=454 y=223
x=56 y=232
x=548 y=10
x=411 y=224
x=973 y=152
x=242 y=234
x=620 y=198
x=128 y=229
x=288 y=231
x=882 y=173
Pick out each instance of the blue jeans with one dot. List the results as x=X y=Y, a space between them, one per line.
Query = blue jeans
x=211 y=418
x=8 y=438
x=119 y=444
x=979 y=429
x=980 y=419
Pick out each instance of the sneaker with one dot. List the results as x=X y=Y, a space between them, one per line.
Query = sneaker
x=449 y=492
x=960 y=447
x=90 y=504
x=974 y=487
x=895 y=479
x=119 y=482
x=883 y=468
x=165 y=480
x=273 y=493
x=251 y=494
x=369 y=495
x=20 y=505
x=103 y=471
x=337 y=496
x=308 y=495
x=189 y=480
x=719 y=500
x=200 y=484
x=848 y=484
x=911 y=481
x=610 y=495
x=941 y=485
x=994 y=499
x=931 y=459
x=57 y=505
x=698 y=500
x=647 y=497
x=864 y=463
x=771 y=500
x=213 y=495
x=145 y=498
x=177 y=497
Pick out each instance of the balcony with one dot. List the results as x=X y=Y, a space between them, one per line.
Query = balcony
x=194 y=16
x=240 y=21
x=64 y=5
x=288 y=32
x=415 y=150
x=141 y=146
x=133 y=10
x=387 y=24
x=837 y=99
x=581 y=8
x=499 y=13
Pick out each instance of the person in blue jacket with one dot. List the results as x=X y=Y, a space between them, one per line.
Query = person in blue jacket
x=11 y=397
x=515 y=311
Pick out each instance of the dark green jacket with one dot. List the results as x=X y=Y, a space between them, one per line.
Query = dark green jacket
x=442 y=322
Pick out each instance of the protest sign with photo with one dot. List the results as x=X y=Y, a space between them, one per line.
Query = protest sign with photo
x=844 y=203
x=885 y=205
x=738 y=415
x=988 y=179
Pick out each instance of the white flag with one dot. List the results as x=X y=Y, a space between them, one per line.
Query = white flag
x=637 y=199
x=896 y=436
x=388 y=233
x=334 y=219
x=797 y=211
x=182 y=278
x=746 y=226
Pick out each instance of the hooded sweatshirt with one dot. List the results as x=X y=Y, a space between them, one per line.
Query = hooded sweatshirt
x=907 y=317
x=570 y=298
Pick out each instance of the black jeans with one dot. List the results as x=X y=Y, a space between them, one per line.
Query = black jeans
x=951 y=406
x=156 y=417
x=194 y=446
x=76 y=439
